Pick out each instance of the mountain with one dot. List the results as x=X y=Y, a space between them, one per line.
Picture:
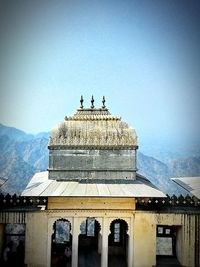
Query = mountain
x=13 y=133
x=22 y=155
x=34 y=152
x=184 y=167
x=16 y=171
x=158 y=173
x=168 y=149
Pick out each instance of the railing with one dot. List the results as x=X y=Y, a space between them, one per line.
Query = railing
x=12 y=201
x=141 y=203
x=180 y=202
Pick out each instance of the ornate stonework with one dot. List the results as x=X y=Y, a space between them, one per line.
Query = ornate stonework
x=93 y=127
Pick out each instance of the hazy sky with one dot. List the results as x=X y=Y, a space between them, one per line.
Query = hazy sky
x=144 y=56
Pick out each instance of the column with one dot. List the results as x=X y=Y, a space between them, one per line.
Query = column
x=130 y=244
x=76 y=230
x=49 y=235
x=104 y=250
x=99 y=243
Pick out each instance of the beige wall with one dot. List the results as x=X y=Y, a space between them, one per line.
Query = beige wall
x=142 y=229
x=92 y=203
x=36 y=240
x=186 y=235
x=179 y=249
x=145 y=237
x=144 y=249
x=40 y=228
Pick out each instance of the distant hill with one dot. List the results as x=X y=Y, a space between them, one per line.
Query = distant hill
x=13 y=133
x=22 y=155
x=184 y=167
x=165 y=149
x=157 y=172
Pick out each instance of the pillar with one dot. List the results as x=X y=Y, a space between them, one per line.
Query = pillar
x=76 y=230
x=49 y=240
x=104 y=250
x=99 y=243
x=130 y=244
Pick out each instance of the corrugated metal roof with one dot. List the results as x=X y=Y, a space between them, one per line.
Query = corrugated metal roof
x=191 y=184
x=40 y=185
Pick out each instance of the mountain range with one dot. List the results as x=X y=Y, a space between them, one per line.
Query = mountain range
x=22 y=155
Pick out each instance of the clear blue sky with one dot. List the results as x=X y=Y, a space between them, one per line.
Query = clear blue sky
x=143 y=56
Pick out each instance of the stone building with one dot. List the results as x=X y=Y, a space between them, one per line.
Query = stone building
x=92 y=200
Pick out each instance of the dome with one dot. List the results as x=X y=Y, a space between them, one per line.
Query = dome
x=93 y=128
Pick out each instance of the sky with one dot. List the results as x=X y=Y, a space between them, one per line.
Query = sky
x=143 y=56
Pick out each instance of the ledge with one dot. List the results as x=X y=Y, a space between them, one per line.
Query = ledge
x=97 y=147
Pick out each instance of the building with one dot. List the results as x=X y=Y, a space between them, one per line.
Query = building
x=92 y=200
x=191 y=184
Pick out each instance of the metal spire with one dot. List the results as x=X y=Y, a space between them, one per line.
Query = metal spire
x=103 y=102
x=92 y=102
x=81 y=101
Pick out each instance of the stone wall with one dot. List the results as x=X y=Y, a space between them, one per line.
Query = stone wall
x=97 y=164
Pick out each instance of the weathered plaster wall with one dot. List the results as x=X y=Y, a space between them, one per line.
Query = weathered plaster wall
x=186 y=235
x=179 y=238
x=92 y=203
x=36 y=240
x=144 y=250
x=141 y=229
x=145 y=237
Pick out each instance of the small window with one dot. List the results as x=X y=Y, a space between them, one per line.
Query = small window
x=167 y=231
x=160 y=230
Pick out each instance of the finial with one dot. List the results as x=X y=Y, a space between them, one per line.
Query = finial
x=81 y=101
x=92 y=102
x=103 y=102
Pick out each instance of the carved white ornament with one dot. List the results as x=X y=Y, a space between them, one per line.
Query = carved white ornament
x=89 y=129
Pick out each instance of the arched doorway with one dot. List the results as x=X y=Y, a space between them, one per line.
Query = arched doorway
x=61 y=244
x=118 y=244
x=89 y=243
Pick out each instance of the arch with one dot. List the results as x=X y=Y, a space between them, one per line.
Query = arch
x=118 y=243
x=118 y=220
x=61 y=242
